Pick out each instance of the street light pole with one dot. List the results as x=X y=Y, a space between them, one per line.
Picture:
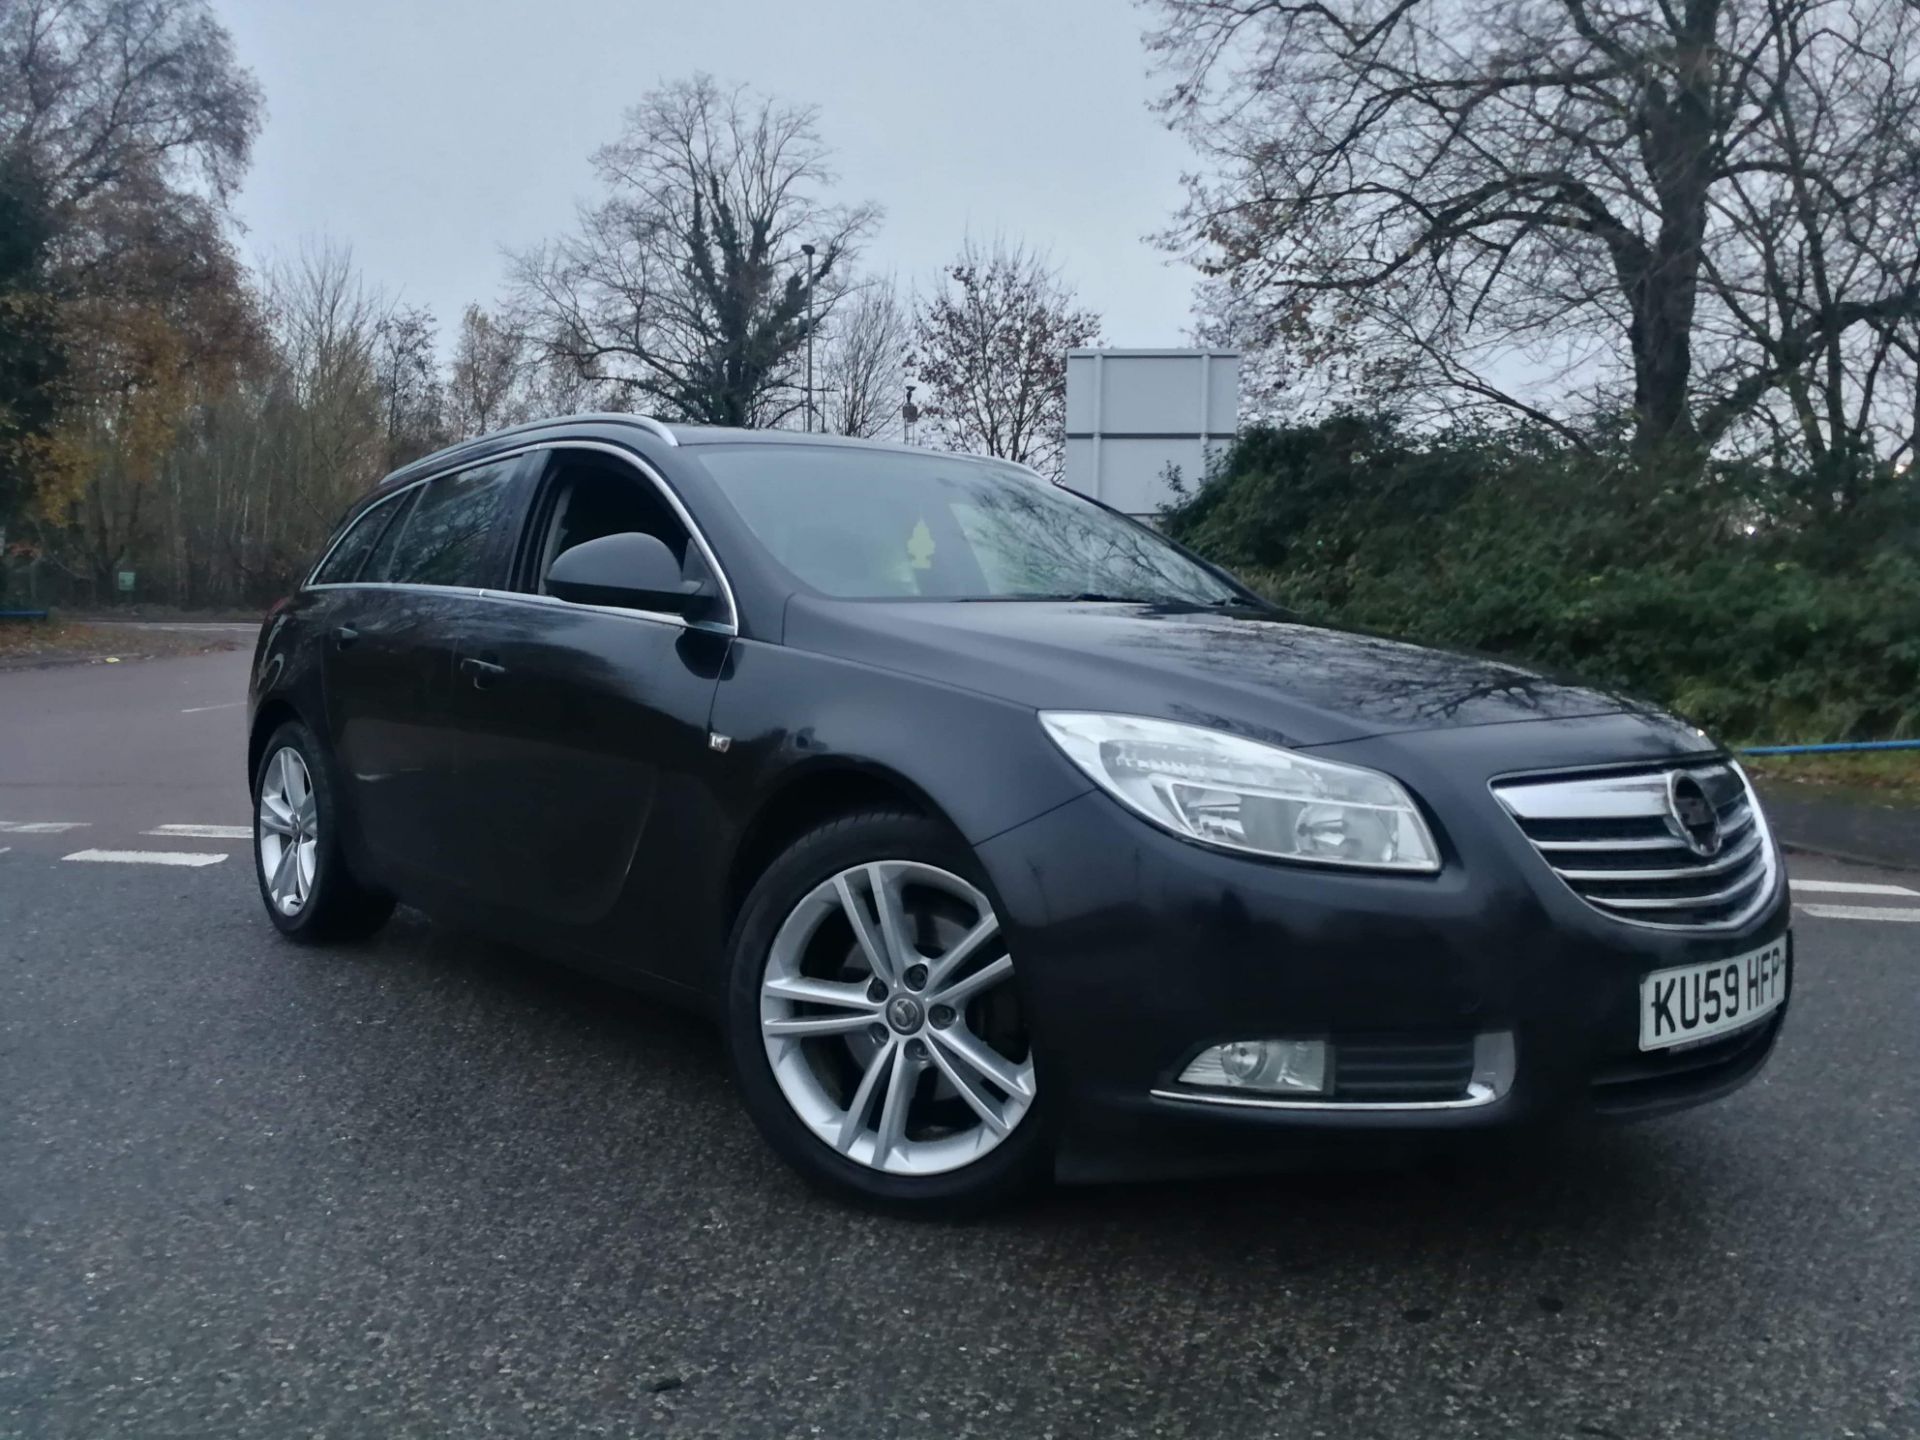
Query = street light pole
x=807 y=250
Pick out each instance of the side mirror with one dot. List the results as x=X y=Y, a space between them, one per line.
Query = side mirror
x=633 y=571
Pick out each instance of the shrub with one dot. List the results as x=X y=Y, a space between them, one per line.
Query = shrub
x=1735 y=597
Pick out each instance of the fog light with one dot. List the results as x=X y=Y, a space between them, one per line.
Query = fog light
x=1298 y=1066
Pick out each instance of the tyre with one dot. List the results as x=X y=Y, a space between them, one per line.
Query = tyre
x=304 y=881
x=876 y=1026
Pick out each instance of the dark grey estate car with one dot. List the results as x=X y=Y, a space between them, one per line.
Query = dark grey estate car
x=1002 y=836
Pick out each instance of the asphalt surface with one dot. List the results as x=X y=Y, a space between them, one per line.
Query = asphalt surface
x=427 y=1186
x=1861 y=826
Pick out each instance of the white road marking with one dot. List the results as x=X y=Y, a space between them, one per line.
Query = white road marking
x=40 y=827
x=204 y=832
x=145 y=857
x=1853 y=887
x=1861 y=912
x=5 y=848
x=201 y=709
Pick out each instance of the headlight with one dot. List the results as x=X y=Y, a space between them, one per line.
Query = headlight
x=1222 y=790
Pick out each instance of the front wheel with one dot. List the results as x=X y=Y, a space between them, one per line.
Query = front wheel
x=309 y=892
x=875 y=1023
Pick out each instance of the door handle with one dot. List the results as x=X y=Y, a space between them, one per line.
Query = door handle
x=483 y=671
x=344 y=635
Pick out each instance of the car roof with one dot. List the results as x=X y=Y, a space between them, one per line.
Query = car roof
x=659 y=432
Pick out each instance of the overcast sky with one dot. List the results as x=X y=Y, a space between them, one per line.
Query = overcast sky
x=430 y=134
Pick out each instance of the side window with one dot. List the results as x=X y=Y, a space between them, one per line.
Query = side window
x=589 y=499
x=450 y=536
x=380 y=558
x=342 y=565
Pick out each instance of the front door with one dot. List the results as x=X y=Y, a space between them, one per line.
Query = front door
x=584 y=729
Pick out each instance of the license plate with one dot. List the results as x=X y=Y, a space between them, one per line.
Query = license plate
x=1698 y=1002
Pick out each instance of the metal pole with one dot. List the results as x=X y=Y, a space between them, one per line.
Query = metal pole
x=807 y=250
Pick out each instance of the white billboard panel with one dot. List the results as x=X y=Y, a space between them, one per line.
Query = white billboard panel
x=1133 y=414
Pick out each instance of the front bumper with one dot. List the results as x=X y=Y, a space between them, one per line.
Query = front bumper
x=1137 y=949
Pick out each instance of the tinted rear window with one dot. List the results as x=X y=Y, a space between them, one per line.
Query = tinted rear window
x=379 y=561
x=449 y=538
x=342 y=565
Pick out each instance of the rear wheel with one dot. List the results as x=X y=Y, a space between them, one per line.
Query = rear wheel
x=876 y=1025
x=309 y=892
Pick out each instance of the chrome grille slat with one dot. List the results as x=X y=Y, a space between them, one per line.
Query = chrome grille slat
x=1678 y=902
x=1610 y=836
x=1732 y=859
x=1661 y=843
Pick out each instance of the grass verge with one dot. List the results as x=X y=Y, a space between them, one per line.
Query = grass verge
x=1886 y=776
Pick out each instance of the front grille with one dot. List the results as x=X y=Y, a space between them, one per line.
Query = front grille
x=1402 y=1068
x=1617 y=841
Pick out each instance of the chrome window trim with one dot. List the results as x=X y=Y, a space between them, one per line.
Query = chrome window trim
x=652 y=617
x=729 y=626
x=1493 y=1070
x=469 y=591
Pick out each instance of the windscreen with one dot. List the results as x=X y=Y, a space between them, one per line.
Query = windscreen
x=872 y=524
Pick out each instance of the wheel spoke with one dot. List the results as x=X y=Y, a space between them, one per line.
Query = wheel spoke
x=855 y=1120
x=282 y=880
x=990 y=974
x=963 y=949
x=298 y=791
x=893 y=921
x=804 y=989
x=801 y=1026
x=306 y=853
x=871 y=946
x=893 y=1109
x=969 y=1089
x=275 y=817
x=970 y=1050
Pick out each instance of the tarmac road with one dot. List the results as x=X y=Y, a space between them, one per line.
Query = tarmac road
x=426 y=1186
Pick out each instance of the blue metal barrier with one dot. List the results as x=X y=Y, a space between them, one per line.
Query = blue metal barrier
x=1831 y=749
x=23 y=614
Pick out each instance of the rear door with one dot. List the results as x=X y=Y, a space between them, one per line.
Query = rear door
x=390 y=670
x=584 y=729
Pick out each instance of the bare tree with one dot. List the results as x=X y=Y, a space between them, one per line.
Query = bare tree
x=1828 y=232
x=407 y=371
x=863 y=370
x=330 y=431
x=991 y=345
x=685 y=287
x=124 y=127
x=484 y=383
x=102 y=91
x=1475 y=194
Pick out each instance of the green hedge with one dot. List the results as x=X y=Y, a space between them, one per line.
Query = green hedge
x=1747 y=599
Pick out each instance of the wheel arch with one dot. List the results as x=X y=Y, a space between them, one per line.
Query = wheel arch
x=272 y=714
x=809 y=798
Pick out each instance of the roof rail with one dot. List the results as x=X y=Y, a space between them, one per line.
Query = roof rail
x=657 y=428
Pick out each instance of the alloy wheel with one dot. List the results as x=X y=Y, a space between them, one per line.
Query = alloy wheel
x=890 y=1021
x=287 y=836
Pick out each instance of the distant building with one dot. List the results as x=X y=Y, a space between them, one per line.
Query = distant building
x=1134 y=416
